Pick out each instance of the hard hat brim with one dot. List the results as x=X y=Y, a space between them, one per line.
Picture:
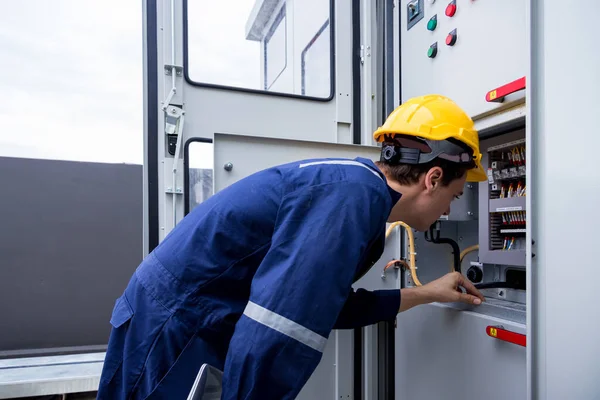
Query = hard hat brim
x=477 y=174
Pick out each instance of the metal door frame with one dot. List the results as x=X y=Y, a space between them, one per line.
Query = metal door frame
x=358 y=16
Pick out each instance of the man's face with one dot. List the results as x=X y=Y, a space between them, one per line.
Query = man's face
x=429 y=200
x=438 y=201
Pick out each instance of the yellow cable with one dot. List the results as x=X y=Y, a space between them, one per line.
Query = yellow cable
x=411 y=248
x=468 y=250
x=463 y=254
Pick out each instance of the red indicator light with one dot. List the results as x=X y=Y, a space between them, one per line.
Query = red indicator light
x=451 y=38
x=497 y=95
x=451 y=9
x=498 y=332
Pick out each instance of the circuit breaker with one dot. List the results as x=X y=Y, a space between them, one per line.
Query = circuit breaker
x=502 y=218
x=502 y=202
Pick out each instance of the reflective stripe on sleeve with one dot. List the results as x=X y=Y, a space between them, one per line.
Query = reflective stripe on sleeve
x=285 y=326
x=340 y=162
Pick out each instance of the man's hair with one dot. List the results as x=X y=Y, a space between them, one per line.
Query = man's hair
x=407 y=174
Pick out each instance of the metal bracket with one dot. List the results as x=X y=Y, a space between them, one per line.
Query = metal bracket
x=169 y=69
x=365 y=51
x=170 y=191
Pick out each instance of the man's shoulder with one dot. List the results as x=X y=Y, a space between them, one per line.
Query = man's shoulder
x=342 y=172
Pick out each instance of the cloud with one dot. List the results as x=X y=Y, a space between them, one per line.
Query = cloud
x=219 y=51
x=72 y=80
x=72 y=73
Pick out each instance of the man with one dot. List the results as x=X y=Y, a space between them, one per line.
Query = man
x=254 y=279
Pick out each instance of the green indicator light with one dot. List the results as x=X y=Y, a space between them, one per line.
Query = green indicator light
x=432 y=51
x=432 y=24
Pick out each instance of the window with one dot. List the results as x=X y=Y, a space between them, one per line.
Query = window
x=253 y=45
x=198 y=173
x=316 y=76
x=275 y=50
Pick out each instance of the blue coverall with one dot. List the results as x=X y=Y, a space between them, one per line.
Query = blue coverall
x=252 y=282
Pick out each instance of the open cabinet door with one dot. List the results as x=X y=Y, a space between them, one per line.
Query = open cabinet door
x=235 y=87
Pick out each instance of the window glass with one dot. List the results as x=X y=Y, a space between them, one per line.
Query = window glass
x=315 y=62
x=200 y=160
x=258 y=44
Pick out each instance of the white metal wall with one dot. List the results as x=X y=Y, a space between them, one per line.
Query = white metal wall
x=564 y=318
x=490 y=50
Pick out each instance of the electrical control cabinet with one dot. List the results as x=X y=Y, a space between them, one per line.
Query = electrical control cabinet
x=488 y=247
x=502 y=221
x=462 y=49
x=502 y=224
x=452 y=344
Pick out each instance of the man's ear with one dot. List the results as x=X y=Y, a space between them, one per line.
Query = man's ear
x=433 y=178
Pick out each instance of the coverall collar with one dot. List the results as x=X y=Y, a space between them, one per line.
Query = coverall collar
x=394 y=195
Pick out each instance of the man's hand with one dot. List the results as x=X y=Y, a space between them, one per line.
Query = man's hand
x=447 y=289
x=444 y=290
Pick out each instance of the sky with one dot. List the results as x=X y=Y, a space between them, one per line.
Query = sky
x=71 y=77
x=219 y=51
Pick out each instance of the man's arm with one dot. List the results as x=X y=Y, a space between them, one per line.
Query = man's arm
x=365 y=307
x=300 y=288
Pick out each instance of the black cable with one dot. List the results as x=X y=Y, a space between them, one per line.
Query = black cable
x=455 y=251
x=497 y=285
x=435 y=238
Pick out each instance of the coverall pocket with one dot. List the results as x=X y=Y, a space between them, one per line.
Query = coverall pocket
x=120 y=318
x=122 y=312
x=138 y=321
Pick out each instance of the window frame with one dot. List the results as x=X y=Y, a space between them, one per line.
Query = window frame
x=194 y=83
x=311 y=42
x=281 y=15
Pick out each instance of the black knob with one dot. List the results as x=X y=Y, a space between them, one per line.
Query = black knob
x=475 y=274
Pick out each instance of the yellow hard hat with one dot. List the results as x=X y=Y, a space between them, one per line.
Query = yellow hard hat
x=435 y=118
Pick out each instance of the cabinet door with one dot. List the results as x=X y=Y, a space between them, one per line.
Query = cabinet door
x=564 y=317
x=445 y=353
x=261 y=68
x=235 y=87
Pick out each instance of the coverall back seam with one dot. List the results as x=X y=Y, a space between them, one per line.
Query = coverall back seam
x=156 y=386
x=147 y=356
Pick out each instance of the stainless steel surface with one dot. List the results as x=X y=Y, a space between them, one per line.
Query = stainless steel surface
x=39 y=376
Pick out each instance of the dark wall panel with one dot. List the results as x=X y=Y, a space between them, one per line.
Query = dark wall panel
x=70 y=238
